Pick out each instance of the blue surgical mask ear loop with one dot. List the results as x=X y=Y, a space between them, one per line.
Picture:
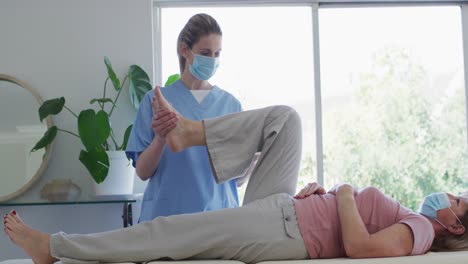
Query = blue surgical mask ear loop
x=458 y=219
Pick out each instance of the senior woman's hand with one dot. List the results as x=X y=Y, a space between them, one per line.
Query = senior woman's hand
x=310 y=189
x=342 y=188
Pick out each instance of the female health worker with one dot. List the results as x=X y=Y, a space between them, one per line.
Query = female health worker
x=183 y=182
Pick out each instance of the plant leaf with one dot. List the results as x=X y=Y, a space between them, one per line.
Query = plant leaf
x=139 y=84
x=172 y=79
x=97 y=163
x=48 y=137
x=51 y=107
x=94 y=129
x=126 y=136
x=103 y=124
x=101 y=100
x=110 y=71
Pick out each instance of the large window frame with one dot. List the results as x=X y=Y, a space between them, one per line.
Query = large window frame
x=314 y=5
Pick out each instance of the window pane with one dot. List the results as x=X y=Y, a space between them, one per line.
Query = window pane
x=394 y=100
x=266 y=60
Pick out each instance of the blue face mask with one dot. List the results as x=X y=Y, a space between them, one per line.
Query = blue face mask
x=433 y=203
x=203 y=67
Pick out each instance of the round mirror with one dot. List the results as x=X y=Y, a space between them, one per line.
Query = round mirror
x=19 y=132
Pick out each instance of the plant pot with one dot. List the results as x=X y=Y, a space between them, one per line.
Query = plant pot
x=120 y=178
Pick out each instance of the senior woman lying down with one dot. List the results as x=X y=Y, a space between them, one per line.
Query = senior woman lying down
x=273 y=225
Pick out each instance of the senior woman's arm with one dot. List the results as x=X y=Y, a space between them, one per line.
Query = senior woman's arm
x=393 y=241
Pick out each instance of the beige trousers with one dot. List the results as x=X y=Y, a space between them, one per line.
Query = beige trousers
x=265 y=228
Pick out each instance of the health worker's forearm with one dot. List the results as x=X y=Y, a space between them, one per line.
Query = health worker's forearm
x=148 y=160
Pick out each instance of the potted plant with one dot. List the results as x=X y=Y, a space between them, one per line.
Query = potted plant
x=101 y=151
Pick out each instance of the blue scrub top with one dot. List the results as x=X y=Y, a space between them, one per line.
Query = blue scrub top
x=183 y=182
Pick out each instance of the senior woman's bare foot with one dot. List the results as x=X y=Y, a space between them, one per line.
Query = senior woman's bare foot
x=181 y=136
x=33 y=242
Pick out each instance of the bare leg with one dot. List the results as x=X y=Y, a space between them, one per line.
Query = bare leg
x=33 y=242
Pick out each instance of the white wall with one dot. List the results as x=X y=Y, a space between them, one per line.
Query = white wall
x=57 y=47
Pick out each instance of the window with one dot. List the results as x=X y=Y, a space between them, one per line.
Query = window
x=394 y=99
x=392 y=87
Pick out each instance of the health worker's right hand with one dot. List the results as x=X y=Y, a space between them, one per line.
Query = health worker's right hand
x=164 y=121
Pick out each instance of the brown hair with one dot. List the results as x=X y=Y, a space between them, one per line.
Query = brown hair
x=454 y=242
x=198 y=26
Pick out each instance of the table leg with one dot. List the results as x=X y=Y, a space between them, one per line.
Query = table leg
x=127 y=214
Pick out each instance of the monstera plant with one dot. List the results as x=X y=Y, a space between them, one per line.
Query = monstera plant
x=94 y=128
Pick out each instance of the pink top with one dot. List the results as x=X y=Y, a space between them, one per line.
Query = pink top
x=320 y=228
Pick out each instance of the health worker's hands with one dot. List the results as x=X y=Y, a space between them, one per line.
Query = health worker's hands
x=163 y=122
x=310 y=189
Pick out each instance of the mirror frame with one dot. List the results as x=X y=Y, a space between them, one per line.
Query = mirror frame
x=48 y=152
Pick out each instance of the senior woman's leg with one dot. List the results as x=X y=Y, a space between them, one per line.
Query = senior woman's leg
x=233 y=140
x=274 y=131
x=263 y=230
x=248 y=234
